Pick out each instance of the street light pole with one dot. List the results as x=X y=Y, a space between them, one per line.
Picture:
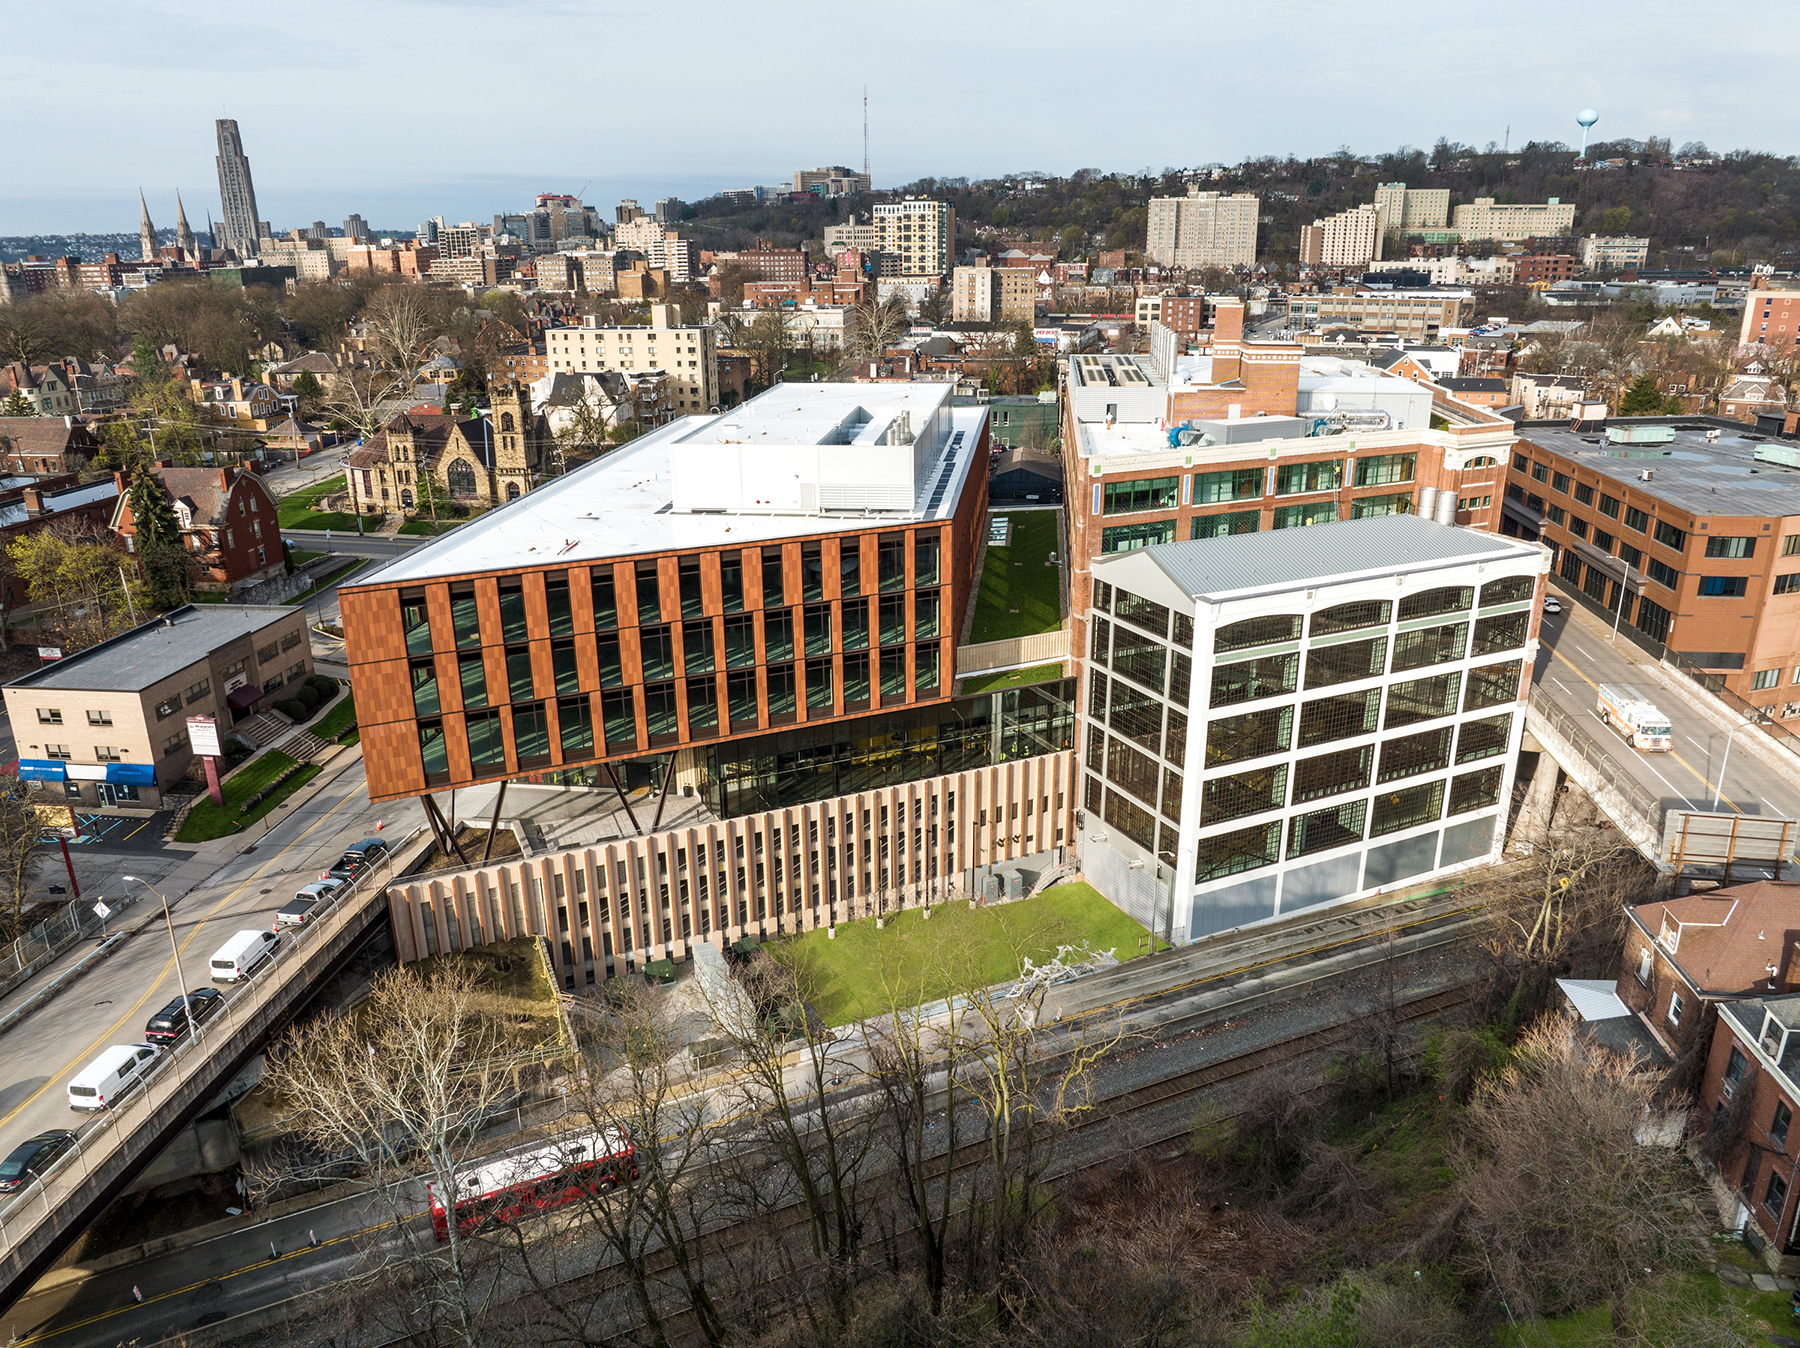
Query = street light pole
x=1725 y=762
x=169 y=922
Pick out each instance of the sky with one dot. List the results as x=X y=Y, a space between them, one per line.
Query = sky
x=404 y=109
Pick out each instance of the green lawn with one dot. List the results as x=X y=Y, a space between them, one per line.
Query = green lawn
x=339 y=719
x=298 y=510
x=208 y=821
x=1013 y=678
x=342 y=573
x=208 y=597
x=920 y=961
x=429 y=527
x=1020 y=595
x=1665 y=1303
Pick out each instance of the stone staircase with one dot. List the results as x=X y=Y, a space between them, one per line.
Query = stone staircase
x=302 y=746
x=264 y=729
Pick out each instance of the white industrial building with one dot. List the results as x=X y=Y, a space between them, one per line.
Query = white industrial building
x=1279 y=721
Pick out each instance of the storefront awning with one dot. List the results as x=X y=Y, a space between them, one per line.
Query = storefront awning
x=246 y=696
x=42 y=770
x=134 y=774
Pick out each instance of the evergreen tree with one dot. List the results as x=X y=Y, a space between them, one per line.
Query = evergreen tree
x=158 y=537
x=16 y=406
x=152 y=511
x=1642 y=399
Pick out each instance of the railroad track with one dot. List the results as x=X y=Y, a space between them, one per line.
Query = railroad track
x=1107 y=1112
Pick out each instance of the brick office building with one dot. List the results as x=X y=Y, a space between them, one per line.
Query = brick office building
x=1543 y=269
x=758 y=606
x=1701 y=524
x=1264 y=437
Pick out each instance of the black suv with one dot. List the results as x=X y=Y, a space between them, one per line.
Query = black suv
x=181 y=1015
x=31 y=1159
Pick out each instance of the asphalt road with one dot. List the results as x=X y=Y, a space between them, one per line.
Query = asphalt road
x=1578 y=654
x=110 y=1004
x=353 y=544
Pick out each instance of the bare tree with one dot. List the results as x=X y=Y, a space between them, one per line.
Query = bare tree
x=1569 y=1193
x=402 y=1087
x=1570 y=890
x=21 y=849
x=633 y=1086
x=871 y=327
x=820 y=1144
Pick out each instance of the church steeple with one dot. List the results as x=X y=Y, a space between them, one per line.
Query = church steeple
x=146 y=230
x=184 y=237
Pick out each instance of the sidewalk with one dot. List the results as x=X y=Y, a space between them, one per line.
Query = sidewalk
x=196 y=866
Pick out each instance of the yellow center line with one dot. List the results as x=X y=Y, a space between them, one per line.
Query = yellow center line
x=203 y=1282
x=131 y=1012
x=1700 y=777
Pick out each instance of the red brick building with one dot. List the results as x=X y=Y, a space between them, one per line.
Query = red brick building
x=1771 y=319
x=1684 y=956
x=41 y=445
x=228 y=524
x=1750 y=1089
x=1542 y=269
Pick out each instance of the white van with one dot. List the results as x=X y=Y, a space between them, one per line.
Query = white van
x=109 y=1076
x=242 y=955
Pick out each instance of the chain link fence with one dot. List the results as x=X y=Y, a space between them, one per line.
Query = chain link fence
x=75 y=919
x=1598 y=756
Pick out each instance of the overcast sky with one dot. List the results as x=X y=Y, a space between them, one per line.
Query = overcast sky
x=401 y=109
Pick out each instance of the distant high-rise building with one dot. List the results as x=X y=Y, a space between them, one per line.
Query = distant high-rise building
x=627 y=211
x=920 y=234
x=240 y=229
x=1203 y=229
x=184 y=236
x=317 y=230
x=146 y=230
x=428 y=229
x=356 y=230
x=1411 y=209
x=1350 y=238
x=668 y=210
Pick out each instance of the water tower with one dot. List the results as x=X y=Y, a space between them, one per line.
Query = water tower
x=1585 y=119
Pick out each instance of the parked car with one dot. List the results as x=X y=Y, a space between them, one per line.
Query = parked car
x=360 y=855
x=171 y=1024
x=117 y=1070
x=1553 y=605
x=33 y=1157
x=298 y=911
x=242 y=955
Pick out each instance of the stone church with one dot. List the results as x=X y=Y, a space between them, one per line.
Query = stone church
x=473 y=462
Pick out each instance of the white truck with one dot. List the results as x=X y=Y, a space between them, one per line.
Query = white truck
x=1627 y=711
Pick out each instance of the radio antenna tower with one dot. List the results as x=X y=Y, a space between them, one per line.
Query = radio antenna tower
x=865 y=130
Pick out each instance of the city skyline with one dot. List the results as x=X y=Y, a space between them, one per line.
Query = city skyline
x=1639 y=83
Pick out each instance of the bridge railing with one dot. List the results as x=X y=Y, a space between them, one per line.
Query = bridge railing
x=105 y=1146
x=1597 y=757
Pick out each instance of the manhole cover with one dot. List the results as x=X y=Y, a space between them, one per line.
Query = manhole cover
x=268 y=891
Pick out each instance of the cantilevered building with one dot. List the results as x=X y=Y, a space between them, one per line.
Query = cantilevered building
x=240 y=227
x=758 y=608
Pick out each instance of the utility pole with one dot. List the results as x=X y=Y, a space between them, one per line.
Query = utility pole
x=865 y=130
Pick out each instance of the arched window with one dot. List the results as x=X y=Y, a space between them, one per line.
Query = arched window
x=1481 y=461
x=512 y=491
x=406 y=500
x=459 y=477
x=506 y=421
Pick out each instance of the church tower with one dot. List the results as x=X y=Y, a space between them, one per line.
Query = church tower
x=515 y=440
x=146 y=230
x=184 y=236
